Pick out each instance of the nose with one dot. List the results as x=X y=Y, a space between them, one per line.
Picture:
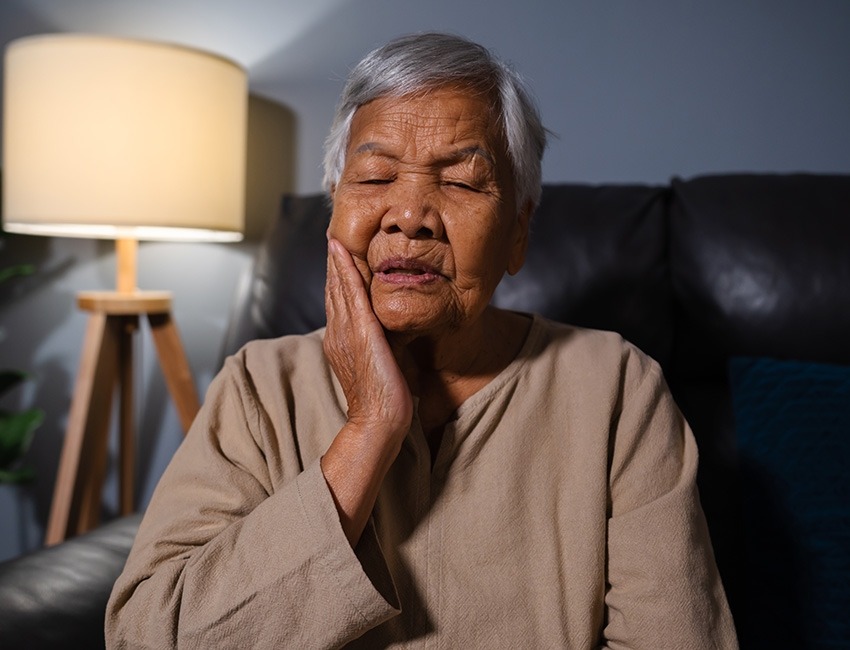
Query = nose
x=414 y=210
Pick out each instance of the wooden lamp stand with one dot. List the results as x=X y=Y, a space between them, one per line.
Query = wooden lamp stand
x=106 y=368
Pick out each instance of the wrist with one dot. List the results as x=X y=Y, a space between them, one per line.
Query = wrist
x=375 y=433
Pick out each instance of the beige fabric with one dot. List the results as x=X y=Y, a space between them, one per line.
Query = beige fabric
x=561 y=512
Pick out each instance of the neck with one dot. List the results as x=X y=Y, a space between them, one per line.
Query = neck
x=460 y=362
x=444 y=372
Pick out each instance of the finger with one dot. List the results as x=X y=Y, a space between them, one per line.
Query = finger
x=344 y=263
x=351 y=283
x=336 y=303
x=331 y=288
x=350 y=321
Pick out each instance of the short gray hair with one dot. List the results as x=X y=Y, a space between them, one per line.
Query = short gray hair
x=421 y=62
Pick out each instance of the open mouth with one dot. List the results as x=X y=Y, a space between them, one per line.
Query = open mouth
x=406 y=270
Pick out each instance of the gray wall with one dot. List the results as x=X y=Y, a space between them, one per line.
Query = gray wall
x=634 y=91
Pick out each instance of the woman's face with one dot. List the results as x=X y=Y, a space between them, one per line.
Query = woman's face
x=427 y=208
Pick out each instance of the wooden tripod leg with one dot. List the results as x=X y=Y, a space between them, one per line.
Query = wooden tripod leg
x=120 y=330
x=87 y=427
x=126 y=420
x=175 y=367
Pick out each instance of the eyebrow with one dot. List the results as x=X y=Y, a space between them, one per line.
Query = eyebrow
x=454 y=156
x=367 y=146
x=471 y=152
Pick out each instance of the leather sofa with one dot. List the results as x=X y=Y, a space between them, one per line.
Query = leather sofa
x=698 y=273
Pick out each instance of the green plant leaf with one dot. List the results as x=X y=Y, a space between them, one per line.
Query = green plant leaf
x=20 y=475
x=16 y=429
x=16 y=432
x=12 y=271
x=11 y=378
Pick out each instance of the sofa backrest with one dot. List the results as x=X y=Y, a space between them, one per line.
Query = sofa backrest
x=760 y=265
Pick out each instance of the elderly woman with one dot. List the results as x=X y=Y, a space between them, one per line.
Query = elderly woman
x=428 y=470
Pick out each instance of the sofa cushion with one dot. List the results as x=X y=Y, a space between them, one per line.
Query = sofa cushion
x=597 y=258
x=760 y=266
x=793 y=429
x=55 y=597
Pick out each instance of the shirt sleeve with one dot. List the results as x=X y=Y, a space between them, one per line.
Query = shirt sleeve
x=226 y=559
x=663 y=587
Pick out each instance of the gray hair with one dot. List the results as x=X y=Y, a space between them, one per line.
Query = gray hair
x=421 y=62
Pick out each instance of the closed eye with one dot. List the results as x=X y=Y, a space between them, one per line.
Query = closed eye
x=463 y=186
x=376 y=181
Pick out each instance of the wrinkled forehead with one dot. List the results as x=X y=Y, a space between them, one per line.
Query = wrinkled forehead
x=449 y=121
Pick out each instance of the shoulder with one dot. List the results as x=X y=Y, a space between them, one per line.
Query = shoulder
x=261 y=351
x=277 y=366
x=589 y=352
x=594 y=372
x=272 y=385
x=266 y=358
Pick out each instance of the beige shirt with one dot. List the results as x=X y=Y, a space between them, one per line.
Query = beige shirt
x=560 y=512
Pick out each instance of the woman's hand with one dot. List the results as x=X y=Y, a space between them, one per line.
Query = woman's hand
x=357 y=349
x=380 y=405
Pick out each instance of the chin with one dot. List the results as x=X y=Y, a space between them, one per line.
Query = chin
x=406 y=326
x=410 y=323
x=411 y=315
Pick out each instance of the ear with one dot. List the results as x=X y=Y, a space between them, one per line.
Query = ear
x=520 y=244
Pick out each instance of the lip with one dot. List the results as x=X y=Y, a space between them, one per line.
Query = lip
x=406 y=271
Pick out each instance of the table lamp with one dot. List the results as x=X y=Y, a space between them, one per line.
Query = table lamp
x=126 y=140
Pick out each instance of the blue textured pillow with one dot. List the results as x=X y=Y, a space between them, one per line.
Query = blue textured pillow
x=792 y=423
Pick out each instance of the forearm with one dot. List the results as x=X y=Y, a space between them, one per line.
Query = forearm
x=251 y=583
x=354 y=467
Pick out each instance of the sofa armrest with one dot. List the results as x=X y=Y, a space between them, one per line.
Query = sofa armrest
x=56 y=596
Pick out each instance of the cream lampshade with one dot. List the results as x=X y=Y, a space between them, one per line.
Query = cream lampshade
x=114 y=138
x=126 y=140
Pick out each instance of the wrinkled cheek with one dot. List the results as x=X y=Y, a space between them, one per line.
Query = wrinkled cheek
x=489 y=267
x=349 y=230
x=344 y=229
x=353 y=230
